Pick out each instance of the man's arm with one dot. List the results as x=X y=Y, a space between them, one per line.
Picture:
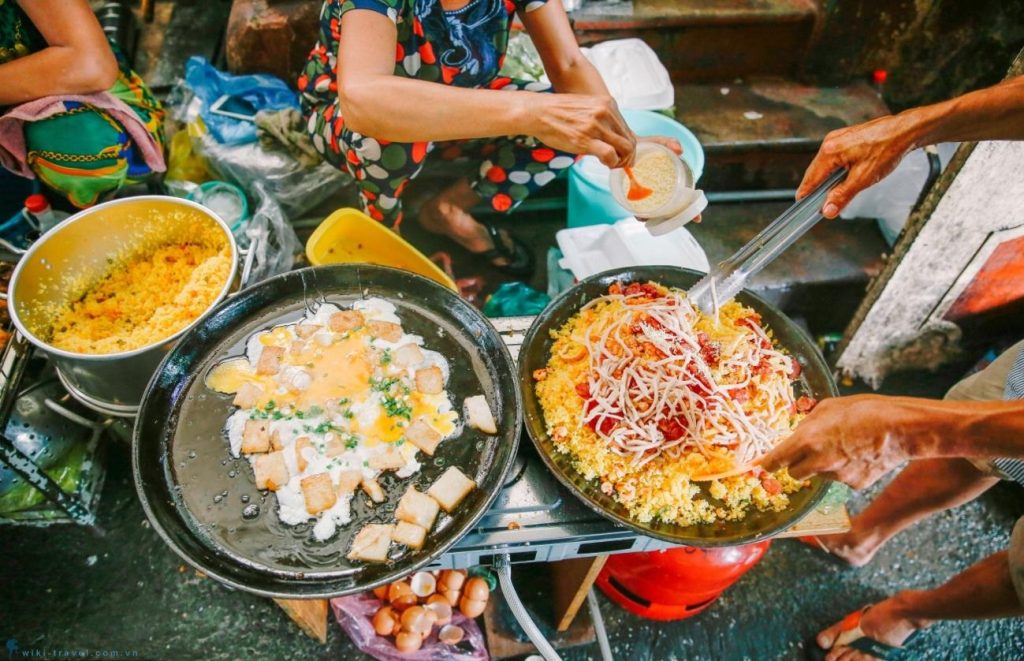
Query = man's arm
x=872 y=150
x=860 y=438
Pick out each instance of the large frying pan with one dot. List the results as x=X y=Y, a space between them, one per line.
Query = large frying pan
x=194 y=491
x=815 y=380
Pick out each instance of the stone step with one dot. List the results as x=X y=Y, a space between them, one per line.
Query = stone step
x=708 y=40
x=762 y=133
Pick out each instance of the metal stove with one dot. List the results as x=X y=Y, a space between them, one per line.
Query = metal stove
x=535 y=518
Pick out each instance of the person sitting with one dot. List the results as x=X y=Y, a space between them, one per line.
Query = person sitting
x=957 y=448
x=72 y=113
x=392 y=81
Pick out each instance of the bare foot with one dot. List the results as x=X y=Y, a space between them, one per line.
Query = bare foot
x=882 y=622
x=446 y=214
x=852 y=547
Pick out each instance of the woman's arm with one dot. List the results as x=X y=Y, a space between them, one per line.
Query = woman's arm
x=377 y=103
x=78 y=59
x=872 y=150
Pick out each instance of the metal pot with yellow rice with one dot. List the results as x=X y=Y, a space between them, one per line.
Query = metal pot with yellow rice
x=107 y=292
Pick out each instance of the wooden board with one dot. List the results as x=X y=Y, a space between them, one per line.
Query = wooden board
x=572 y=580
x=309 y=614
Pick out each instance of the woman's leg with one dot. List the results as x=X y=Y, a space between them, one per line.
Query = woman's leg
x=921 y=489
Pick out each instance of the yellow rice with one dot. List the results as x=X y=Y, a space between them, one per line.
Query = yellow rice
x=661 y=489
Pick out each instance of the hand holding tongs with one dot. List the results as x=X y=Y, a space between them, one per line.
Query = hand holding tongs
x=730 y=276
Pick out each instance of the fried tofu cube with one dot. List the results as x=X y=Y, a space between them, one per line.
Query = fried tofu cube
x=275 y=440
x=256 y=436
x=449 y=489
x=271 y=471
x=348 y=481
x=423 y=436
x=301 y=443
x=430 y=380
x=297 y=348
x=418 y=508
x=409 y=534
x=270 y=360
x=319 y=492
x=388 y=459
x=478 y=415
x=373 y=489
x=346 y=320
x=385 y=330
x=248 y=396
x=306 y=331
x=371 y=544
x=408 y=355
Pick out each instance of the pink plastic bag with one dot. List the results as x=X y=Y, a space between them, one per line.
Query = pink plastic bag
x=355 y=614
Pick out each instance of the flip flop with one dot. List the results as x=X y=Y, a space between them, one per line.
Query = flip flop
x=851 y=635
x=519 y=256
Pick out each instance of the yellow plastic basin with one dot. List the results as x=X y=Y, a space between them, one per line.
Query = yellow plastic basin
x=349 y=236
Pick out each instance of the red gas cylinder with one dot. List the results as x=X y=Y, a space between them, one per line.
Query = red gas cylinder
x=676 y=583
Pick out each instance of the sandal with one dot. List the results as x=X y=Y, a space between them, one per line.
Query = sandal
x=519 y=256
x=852 y=636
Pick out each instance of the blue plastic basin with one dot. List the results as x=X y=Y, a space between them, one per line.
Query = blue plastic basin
x=590 y=201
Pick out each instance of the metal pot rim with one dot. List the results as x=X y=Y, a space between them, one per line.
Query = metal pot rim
x=48 y=236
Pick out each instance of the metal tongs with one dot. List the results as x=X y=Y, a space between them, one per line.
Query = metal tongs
x=730 y=276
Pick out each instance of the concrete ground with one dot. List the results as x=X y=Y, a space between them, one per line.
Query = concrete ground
x=69 y=588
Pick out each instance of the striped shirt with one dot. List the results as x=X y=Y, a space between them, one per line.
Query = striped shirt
x=1014 y=468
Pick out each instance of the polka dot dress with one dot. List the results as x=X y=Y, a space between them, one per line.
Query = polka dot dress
x=463 y=48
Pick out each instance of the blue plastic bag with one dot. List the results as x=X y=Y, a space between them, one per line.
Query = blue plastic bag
x=259 y=91
x=515 y=299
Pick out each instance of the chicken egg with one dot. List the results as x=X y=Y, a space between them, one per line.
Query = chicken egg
x=385 y=621
x=452 y=597
x=451 y=634
x=472 y=607
x=415 y=620
x=381 y=592
x=452 y=579
x=401 y=595
x=476 y=589
x=408 y=642
x=423 y=584
x=439 y=606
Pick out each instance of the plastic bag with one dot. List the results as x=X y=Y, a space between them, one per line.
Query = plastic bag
x=255 y=91
x=296 y=188
x=355 y=612
x=269 y=241
x=522 y=61
x=184 y=163
x=515 y=299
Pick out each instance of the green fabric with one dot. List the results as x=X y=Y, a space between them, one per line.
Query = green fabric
x=82 y=153
x=65 y=473
x=18 y=36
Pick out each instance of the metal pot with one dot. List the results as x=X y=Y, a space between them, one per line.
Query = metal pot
x=78 y=251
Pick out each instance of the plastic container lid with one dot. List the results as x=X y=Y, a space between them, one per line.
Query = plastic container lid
x=37 y=203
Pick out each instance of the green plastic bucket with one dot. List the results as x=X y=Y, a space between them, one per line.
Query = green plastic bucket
x=590 y=201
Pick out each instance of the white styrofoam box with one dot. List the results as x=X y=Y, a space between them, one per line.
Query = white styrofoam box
x=596 y=248
x=633 y=73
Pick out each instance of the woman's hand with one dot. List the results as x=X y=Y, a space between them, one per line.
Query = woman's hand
x=870 y=151
x=855 y=440
x=583 y=124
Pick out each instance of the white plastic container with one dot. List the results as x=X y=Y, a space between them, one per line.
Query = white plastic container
x=633 y=73
x=685 y=203
x=596 y=248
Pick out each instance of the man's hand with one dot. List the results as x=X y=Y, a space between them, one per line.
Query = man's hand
x=855 y=440
x=870 y=151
